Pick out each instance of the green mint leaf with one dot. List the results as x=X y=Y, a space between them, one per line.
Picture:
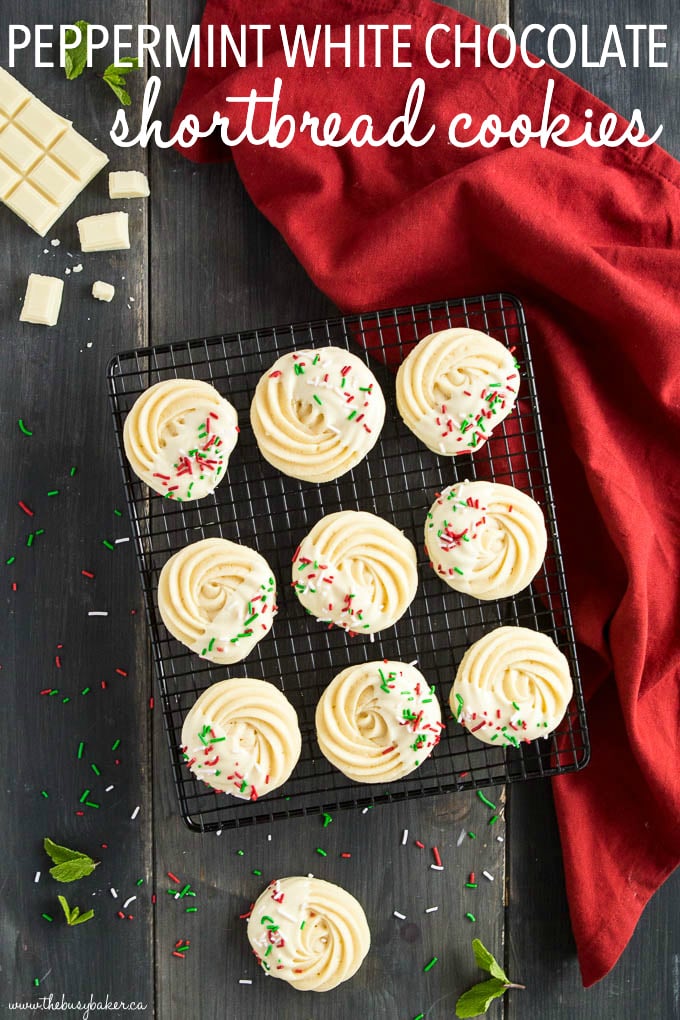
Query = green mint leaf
x=487 y=961
x=65 y=907
x=114 y=76
x=72 y=871
x=59 y=854
x=75 y=59
x=122 y=94
x=83 y=917
x=478 y=999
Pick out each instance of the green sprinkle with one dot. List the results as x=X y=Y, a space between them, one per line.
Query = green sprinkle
x=243 y=786
x=421 y=1016
x=29 y=540
x=65 y=701
x=430 y=965
x=53 y=492
x=302 y=926
x=85 y=794
x=81 y=748
x=10 y=561
x=317 y=398
x=91 y=803
x=471 y=917
x=211 y=643
x=118 y=513
x=493 y=820
x=472 y=835
x=45 y=794
x=184 y=891
x=115 y=745
x=86 y=690
x=470 y=885
x=321 y=852
x=515 y=705
x=95 y=769
x=140 y=881
x=353 y=414
x=459 y=699
x=299 y=370
x=73 y=471
x=485 y=800
x=107 y=544
x=26 y=432
x=458 y=570
x=327 y=819
x=36 y=982
x=40 y=531
x=47 y=917
x=191 y=910
x=241 y=853
x=256 y=871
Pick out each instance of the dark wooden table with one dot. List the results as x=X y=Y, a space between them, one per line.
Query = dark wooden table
x=204 y=261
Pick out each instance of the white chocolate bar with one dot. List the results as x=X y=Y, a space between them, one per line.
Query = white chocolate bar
x=103 y=291
x=128 y=184
x=43 y=300
x=107 y=232
x=44 y=162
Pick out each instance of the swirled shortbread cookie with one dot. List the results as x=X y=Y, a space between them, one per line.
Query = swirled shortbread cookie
x=355 y=570
x=242 y=737
x=485 y=539
x=455 y=387
x=218 y=598
x=317 y=413
x=179 y=436
x=308 y=932
x=512 y=685
x=378 y=721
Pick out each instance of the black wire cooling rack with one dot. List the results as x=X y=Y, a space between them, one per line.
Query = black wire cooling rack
x=258 y=506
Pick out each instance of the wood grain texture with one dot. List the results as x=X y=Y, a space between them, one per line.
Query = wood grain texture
x=56 y=380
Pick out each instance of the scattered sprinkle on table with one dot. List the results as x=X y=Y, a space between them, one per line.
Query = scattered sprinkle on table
x=430 y=965
x=402 y=917
x=113 y=893
x=430 y=910
x=322 y=853
x=471 y=917
x=485 y=800
x=26 y=431
x=47 y=917
x=37 y=877
x=134 y=813
x=128 y=901
x=27 y=510
x=436 y=867
x=97 y=612
x=435 y=854
x=487 y=875
x=404 y=837
x=245 y=981
x=327 y=819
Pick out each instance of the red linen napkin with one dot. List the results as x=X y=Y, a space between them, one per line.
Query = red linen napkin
x=588 y=239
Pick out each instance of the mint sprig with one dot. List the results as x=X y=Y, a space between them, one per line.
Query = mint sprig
x=477 y=999
x=69 y=865
x=115 y=78
x=72 y=914
x=75 y=59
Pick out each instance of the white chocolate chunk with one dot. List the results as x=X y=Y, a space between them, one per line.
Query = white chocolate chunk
x=103 y=291
x=106 y=232
x=43 y=300
x=44 y=162
x=128 y=184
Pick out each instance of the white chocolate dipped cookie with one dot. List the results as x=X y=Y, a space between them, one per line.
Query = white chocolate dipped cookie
x=179 y=436
x=308 y=932
x=355 y=570
x=218 y=598
x=512 y=685
x=455 y=387
x=241 y=736
x=317 y=413
x=378 y=721
x=485 y=539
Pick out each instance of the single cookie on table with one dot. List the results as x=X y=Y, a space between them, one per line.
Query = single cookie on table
x=455 y=387
x=378 y=721
x=242 y=737
x=355 y=570
x=317 y=413
x=218 y=598
x=485 y=539
x=308 y=932
x=512 y=685
x=179 y=436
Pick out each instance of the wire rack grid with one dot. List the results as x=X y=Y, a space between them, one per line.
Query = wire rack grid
x=260 y=507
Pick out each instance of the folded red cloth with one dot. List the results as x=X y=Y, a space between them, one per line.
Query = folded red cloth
x=586 y=238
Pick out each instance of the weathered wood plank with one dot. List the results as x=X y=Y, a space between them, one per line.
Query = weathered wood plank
x=55 y=380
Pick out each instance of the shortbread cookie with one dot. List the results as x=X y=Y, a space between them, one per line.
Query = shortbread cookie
x=308 y=932
x=355 y=570
x=317 y=413
x=512 y=685
x=179 y=436
x=242 y=737
x=485 y=539
x=218 y=598
x=378 y=721
x=455 y=387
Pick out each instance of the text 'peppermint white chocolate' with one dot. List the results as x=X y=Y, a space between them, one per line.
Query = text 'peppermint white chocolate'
x=42 y=301
x=106 y=232
x=44 y=162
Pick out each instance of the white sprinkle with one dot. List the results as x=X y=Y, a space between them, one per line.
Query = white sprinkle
x=288 y=917
x=119 y=540
x=219 y=832
x=487 y=875
x=46 y=251
x=55 y=242
x=113 y=893
x=437 y=867
x=414 y=663
x=365 y=811
x=402 y=917
x=404 y=837
x=461 y=837
x=429 y=910
x=88 y=344
x=108 y=788
x=245 y=981
x=499 y=839
x=134 y=813
x=269 y=837
x=67 y=272
x=128 y=902
x=78 y=269
x=37 y=877
x=97 y=613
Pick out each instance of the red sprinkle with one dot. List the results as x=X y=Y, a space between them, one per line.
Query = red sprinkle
x=437 y=858
x=87 y=573
x=421 y=846
x=26 y=509
x=57 y=660
x=174 y=878
x=346 y=856
x=121 y=672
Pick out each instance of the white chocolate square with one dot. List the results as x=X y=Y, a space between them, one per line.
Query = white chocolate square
x=42 y=124
x=128 y=184
x=44 y=162
x=18 y=150
x=12 y=93
x=107 y=232
x=43 y=300
x=103 y=291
